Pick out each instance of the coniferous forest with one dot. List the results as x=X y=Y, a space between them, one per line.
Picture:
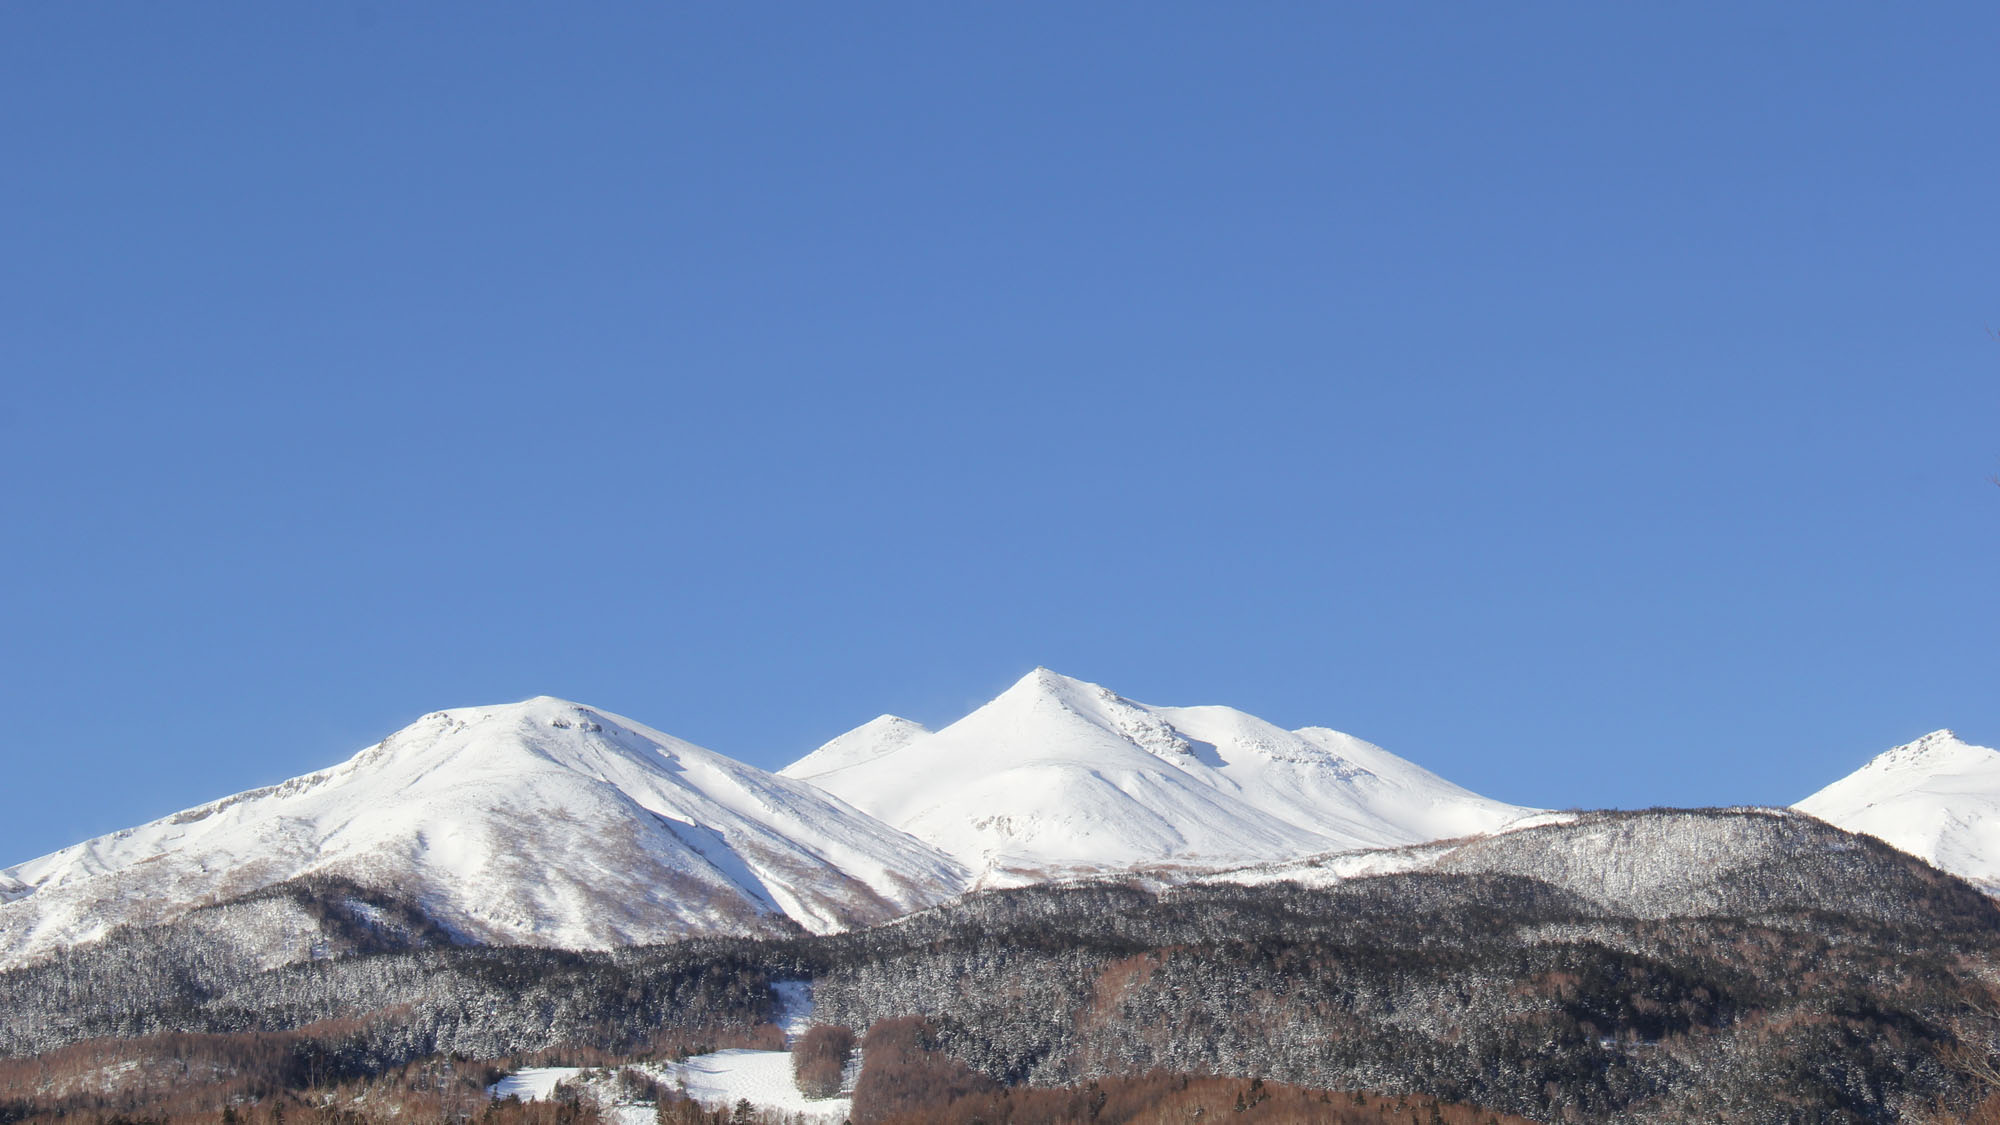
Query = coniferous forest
x=1827 y=979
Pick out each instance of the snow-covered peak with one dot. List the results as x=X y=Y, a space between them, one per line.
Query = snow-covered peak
x=544 y=726
x=878 y=736
x=1939 y=758
x=1070 y=717
x=1940 y=749
x=1059 y=775
x=1937 y=798
x=1048 y=683
x=1046 y=692
x=539 y=822
x=1051 y=691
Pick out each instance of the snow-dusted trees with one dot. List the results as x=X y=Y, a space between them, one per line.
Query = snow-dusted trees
x=1728 y=967
x=1790 y=957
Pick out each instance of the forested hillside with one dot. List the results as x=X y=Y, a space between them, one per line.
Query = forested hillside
x=1721 y=966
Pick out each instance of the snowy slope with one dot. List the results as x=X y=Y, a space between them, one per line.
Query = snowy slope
x=1937 y=798
x=865 y=743
x=542 y=822
x=1057 y=776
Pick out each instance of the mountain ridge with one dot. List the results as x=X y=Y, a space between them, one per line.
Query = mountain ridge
x=548 y=822
x=540 y=822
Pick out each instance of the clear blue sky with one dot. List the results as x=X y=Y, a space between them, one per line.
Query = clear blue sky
x=1593 y=404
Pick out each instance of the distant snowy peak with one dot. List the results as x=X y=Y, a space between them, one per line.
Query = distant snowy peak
x=1937 y=798
x=878 y=736
x=542 y=822
x=1939 y=763
x=1058 y=776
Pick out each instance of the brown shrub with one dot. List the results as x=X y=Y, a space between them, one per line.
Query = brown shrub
x=820 y=1058
x=905 y=1076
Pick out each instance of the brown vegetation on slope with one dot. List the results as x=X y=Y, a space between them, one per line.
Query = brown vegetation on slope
x=288 y=1078
x=907 y=1080
x=820 y=1058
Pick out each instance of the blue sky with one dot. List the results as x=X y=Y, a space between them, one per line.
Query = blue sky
x=1595 y=405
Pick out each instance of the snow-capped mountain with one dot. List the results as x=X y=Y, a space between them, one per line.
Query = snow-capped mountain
x=1057 y=776
x=1937 y=798
x=541 y=822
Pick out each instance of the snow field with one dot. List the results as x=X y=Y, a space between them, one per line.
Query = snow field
x=723 y=1078
x=764 y=1078
x=533 y=1084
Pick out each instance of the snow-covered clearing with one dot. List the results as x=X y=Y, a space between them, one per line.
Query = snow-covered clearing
x=535 y=1083
x=762 y=1077
x=539 y=1083
x=723 y=1078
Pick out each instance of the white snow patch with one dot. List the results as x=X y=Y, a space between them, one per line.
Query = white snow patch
x=1537 y=820
x=764 y=1078
x=598 y=1086
x=533 y=1084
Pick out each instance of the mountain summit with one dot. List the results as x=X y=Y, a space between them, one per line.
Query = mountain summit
x=1937 y=798
x=543 y=822
x=1057 y=776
